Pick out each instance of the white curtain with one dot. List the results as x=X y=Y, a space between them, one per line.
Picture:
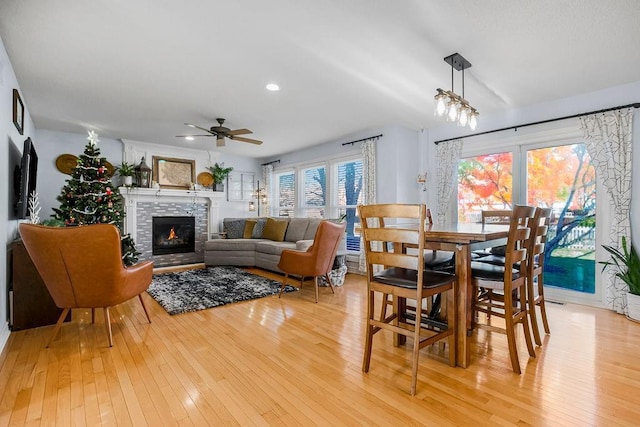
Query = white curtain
x=267 y=179
x=608 y=140
x=448 y=156
x=368 y=185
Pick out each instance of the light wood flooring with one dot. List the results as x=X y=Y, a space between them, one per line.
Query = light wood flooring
x=290 y=361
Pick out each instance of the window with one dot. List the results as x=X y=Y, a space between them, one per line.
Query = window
x=554 y=173
x=314 y=190
x=324 y=189
x=285 y=193
x=349 y=196
x=484 y=182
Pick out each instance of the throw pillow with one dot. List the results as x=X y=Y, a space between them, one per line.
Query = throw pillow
x=258 y=229
x=234 y=228
x=275 y=229
x=248 y=228
x=296 y=229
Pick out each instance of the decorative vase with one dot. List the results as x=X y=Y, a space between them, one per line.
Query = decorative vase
x=218 y=187
x=633 y=307
x=128 y=181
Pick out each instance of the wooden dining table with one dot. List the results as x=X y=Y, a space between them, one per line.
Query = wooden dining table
x=462 y=239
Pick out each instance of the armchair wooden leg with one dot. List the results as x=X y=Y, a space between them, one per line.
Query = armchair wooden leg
x=315 y=282
x=329 y=282
x=284 y=283
x=107 y=320
x=144 y=307
x=58 y=325
x=93 y=316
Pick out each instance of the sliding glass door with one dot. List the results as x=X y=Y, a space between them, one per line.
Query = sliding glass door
x=552 y=174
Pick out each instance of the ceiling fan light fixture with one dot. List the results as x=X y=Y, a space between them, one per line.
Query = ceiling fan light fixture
x=189 y=138
x=273 y=87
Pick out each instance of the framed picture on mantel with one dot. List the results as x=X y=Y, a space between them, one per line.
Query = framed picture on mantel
x=174 y=173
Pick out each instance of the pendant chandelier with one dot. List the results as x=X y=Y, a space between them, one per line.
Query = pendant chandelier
x=450 y=104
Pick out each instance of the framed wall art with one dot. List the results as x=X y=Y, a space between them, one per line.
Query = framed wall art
x=18 y=111
x=174 y=173
x=241 y=186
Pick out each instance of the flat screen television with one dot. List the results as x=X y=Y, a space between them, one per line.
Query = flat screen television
x=26 y=178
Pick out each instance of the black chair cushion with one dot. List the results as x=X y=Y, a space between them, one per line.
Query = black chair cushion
x=482 y=270
x=439 y=259
x=406 y=278
x=492 y=259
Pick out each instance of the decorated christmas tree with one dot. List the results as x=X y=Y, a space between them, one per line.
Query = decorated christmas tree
x=89 y=197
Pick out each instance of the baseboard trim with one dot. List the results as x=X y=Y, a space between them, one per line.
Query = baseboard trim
x=178 y=268
x=4 y=338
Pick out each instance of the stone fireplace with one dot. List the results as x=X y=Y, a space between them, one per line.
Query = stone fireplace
x=143 y=206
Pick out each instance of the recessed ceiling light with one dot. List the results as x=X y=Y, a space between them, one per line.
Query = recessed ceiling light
x=273 y=87
x=189 y=138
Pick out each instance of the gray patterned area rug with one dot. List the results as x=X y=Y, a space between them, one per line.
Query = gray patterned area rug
x=195 y=290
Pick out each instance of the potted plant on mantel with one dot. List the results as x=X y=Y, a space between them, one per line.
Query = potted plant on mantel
x=126 y=171
x=627 y=266
x=219 y=173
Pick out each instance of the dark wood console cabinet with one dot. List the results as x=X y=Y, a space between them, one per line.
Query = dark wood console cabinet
x=32 y=303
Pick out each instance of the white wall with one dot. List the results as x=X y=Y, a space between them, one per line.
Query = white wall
x=397 y=165
x=11 y=143
x=134 y=150
x=51 y=144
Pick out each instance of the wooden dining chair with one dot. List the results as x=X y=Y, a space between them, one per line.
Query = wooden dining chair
x=535 y=271
x=504 y=287
x=401 y=274
x=438 y=259
x=493 y=217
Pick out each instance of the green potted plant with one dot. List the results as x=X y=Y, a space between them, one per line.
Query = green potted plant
x=626 y=264
x=219 y=173
x=126 y=171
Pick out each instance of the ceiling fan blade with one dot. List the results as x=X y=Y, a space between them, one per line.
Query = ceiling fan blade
x=239 y=132
x=220 y=141
x=249 y=140
x=198 y=127
x=184 y=136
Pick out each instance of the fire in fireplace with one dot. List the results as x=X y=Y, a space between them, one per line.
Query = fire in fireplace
x=173 y=234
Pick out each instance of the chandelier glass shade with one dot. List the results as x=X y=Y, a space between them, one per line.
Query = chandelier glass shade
x=451 y=105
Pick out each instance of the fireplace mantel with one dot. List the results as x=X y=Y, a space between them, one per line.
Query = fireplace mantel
x=134 y=195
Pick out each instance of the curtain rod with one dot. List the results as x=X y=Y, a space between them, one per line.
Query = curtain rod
x=270 y=163
x=360 y=140
x=634 y=105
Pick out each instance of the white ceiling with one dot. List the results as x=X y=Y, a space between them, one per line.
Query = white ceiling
x=140 y=69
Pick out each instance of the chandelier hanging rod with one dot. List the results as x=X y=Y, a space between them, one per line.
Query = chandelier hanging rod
x=620 y=107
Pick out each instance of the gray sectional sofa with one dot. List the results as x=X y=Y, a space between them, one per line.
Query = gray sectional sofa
x=254 y=250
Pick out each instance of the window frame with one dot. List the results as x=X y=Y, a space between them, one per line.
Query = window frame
x=331 y=207
x=532 y=140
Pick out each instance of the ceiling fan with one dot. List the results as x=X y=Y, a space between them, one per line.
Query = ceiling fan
x=221 y=132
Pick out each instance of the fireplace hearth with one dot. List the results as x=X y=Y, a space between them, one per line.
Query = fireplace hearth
x=173 y=234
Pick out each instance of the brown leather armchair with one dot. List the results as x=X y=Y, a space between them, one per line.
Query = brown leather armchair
x=82 y=268
x=317 y=260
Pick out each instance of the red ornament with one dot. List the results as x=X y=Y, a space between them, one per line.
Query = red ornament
x=109 y=192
